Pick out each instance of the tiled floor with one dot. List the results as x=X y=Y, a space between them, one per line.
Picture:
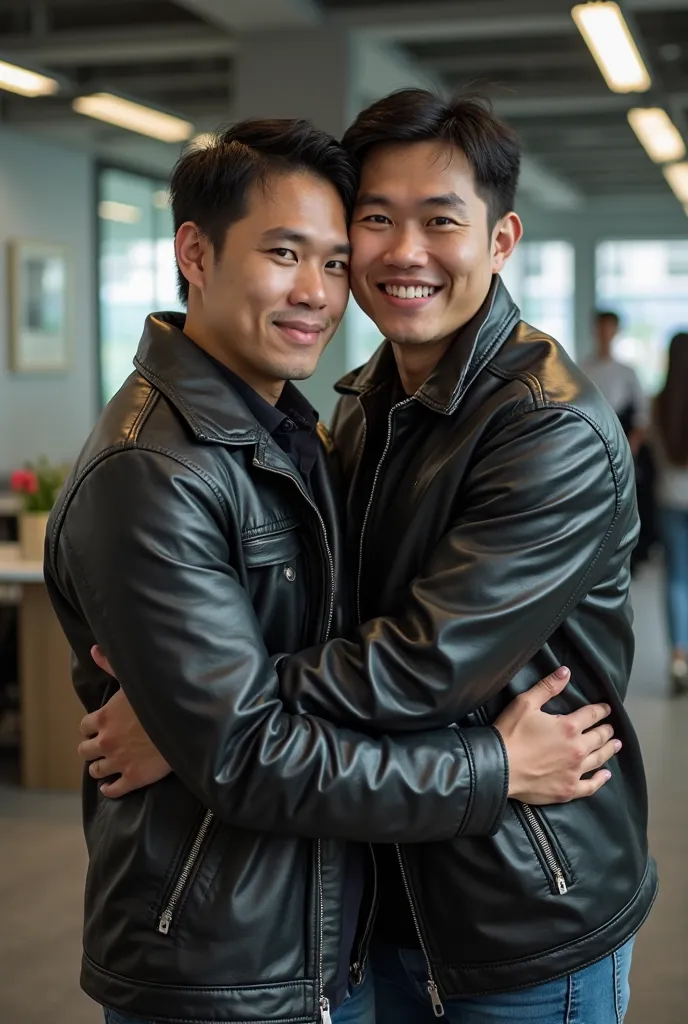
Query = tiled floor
x=42 y=863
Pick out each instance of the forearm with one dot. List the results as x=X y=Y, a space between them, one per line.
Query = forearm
x=499 y=583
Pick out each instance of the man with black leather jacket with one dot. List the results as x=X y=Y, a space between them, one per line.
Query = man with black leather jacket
x=505 y=555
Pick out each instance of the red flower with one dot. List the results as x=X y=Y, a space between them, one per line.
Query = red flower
x=24 y=481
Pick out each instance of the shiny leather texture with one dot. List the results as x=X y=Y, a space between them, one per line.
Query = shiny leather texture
x=186 y=546
x=491 y=518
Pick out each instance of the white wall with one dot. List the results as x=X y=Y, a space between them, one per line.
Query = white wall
x=46 y=193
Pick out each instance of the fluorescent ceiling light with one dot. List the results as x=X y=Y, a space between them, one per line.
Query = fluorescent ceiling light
x=25 y=82
x=677 y=176
x=609 y=39
x=134 y=117
x=658 y=134
x=123 y=213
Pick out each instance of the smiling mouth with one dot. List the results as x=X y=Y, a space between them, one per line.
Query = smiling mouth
x=419 y=294
x=301 y=333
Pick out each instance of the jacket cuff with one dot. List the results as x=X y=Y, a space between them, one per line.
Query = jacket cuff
x=490 y=781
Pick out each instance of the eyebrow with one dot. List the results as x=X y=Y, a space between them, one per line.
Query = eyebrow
x=297 y=238
x=450 y=200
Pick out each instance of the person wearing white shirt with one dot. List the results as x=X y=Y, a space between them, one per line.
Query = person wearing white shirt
x=670 y=444
x=618 y=382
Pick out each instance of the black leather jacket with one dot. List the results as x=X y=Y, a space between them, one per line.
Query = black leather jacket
x=491 y=519
x=186 y=546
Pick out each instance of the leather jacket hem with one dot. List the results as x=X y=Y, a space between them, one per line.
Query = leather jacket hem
x=510 y=975
x=291 y=1002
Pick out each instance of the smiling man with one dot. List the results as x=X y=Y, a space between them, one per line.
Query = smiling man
x=490 y=519
x=196 y=542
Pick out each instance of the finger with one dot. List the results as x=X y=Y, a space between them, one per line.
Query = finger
x=120 y=787
x=588 y=787
x=596 y=738
x=601 y=756
x=548 y=687
x=88 y=726
x=101 y=661
x=102 y=768
x=89 y=750
x=585 y=718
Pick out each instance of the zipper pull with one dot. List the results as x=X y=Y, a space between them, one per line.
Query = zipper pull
x=325 y=1011
x=165 y=922
x=357 y=973
x=561 y=883
x=437 y=1007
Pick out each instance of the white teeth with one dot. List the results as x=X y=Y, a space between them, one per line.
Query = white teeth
x=410 y=291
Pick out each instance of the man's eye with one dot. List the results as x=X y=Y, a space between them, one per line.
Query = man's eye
x=338 y=265
x=441 y=222
x=377 y=218
x=285 y=254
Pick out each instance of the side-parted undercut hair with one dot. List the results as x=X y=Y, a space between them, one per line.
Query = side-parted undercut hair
x=210 y=185
x=492 y=148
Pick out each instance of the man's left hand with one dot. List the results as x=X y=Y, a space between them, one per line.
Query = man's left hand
x=116 y=744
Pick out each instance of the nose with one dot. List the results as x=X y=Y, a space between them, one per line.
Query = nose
x=405 y=250
x=309 y=287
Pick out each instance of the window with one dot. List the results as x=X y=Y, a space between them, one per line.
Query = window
x=677 y=259
x=540 y=278
x=136 y=267
x=648 y=290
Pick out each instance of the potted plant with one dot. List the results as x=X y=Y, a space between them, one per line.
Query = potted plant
x=39 y=485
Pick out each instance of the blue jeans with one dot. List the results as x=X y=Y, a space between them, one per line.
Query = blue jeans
x=595 y=995
x=674 y=524
x=357 y=1008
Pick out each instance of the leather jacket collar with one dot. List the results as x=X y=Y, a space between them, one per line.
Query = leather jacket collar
x=171 y=361
x=473 y=347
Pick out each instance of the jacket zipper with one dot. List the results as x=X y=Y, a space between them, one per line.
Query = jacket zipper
x=322 y=998
x=546 y=849
x=437 y=1008
x=388 y=442
x=538 y=833
x=358 y=967
x=323 y=1001
x=433 y=992
x=193 y=855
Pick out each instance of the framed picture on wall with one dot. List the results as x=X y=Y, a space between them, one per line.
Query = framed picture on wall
x=40 y=290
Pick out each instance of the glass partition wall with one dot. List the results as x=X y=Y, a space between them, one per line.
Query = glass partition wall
x=136 y=268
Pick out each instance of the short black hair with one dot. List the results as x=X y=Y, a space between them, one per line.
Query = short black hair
x=491 y=147
x=210 y=185
x=607 y=314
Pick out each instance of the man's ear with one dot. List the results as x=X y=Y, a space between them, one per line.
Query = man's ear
x=505 y=236
x=192 y=249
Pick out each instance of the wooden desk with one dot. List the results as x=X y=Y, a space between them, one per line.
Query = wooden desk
x=50 y=709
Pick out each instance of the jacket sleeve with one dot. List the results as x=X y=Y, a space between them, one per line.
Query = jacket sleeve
x=544 y=507
x=142 y=552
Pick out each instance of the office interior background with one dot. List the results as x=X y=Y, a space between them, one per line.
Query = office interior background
x=604 y=201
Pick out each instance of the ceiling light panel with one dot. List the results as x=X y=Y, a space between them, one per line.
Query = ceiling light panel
x=134 y=117
x=658 y=134
x=609 y=39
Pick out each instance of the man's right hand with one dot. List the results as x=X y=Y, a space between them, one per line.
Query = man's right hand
x=548 y=754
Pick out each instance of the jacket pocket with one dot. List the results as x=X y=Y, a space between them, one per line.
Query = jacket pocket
x=271 y=548
x=546 y=848
x=182 y=878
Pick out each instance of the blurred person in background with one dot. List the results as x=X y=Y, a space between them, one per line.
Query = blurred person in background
x=670 y=443
x=490 y=520
x=617 y=381
x=620 y=385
